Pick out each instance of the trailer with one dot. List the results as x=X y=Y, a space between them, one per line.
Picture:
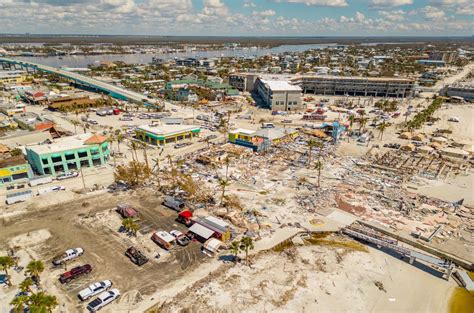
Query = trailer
x=17 y=197
x=219 y=227
x=164 y=239
x=40 y=180
x=173 y=203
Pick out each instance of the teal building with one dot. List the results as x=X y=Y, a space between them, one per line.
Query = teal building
x=68 y=154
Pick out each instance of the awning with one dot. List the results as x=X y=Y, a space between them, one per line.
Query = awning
x=201 y=231
x=213 y=245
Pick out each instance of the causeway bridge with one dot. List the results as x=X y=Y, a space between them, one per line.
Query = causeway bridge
x=81 y=80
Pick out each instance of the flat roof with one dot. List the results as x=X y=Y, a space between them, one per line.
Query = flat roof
x=280 y=85
x=165 y=236
x=201 y=231
x=62 y=144
x=167 y=130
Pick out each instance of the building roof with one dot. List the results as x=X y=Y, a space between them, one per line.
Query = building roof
x=22 y=138
x=274 y=133
x=167 y=130
x=12 y=161
x=62 y=144
x=201 y=231
x=280 y=85
x=244 y=131
x=96 y=139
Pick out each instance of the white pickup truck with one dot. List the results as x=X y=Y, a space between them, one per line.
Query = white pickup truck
x=68 y=255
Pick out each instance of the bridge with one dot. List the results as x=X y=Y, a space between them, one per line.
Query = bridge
x=113 y=91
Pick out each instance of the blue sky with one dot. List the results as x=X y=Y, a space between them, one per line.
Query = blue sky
x=240 y=17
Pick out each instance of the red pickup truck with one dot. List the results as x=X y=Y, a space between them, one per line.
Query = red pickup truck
x=75 y=273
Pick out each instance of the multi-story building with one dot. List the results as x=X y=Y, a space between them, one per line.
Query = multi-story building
x=446 y=56
x=243 y=81
x=12 y=77
x=464 y=90
x=355 y=86
x=68 y=154
x=157 y=134
x=14 y=169
x=279 y=95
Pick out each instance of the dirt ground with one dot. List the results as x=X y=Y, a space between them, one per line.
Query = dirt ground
x=81 y=224
x=319 y=277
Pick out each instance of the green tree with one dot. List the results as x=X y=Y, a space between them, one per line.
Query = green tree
x=246 y=244
x=6 y=262
x=381 y=128
x=42 y=302
x=235 y=249
x=223 y=183
x=26 y=284
x=131 y=225
x=35 y=268
x=19 y=303
x=311 y=144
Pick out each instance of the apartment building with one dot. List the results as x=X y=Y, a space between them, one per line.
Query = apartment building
x=355 y=86
x=279 y=95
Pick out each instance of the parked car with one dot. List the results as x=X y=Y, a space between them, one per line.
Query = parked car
x=103 y=299
x=50 y=189
x=126 y=211
x=67 y=175
x=181 y=239
x=92 y=122
x=68 y=255
x=75 y=273
x=94 y=289
x=136 y=256
x=126 y=118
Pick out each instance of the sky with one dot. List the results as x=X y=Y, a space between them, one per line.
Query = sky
x=240 y=17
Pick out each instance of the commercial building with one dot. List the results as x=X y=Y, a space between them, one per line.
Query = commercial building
x=259 y=140
x=14 y=169
x=243 y=81
x=279 y=95
x=68 y=154
x=355 y=86
x=464 y=90
x=437 y=63
x=446 y=56
x=68 y=102
x=164 y=134
x=12 y=77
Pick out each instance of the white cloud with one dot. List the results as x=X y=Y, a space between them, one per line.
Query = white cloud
x=266 y=13
x=433 y=13
x=249 y=4
x=389 y=3
x=393 y=16
x=322 y=3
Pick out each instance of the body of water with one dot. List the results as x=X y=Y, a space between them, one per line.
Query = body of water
x=85 y=60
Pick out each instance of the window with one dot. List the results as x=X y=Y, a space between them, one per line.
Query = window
x=70 y=156
x=44 y=161
x=82 y=154
x=56 y=159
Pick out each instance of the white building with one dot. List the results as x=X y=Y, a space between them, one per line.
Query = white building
x=279 y=95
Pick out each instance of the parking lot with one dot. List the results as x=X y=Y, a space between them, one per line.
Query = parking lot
x=74 y=225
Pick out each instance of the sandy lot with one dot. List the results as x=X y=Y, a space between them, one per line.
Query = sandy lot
x=317 y=278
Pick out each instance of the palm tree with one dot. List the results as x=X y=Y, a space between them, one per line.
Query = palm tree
x=246 y=244
x=26 y=284
x=226 y=162
x=381 y=128
x=42 y=302
x=318 y=166
x=7 y=262
x=311 y=143
x=131 y=226
x=19 y=303
x=75 y=123
x=351 y=121
x=235 y=249
x=35 y=268
x=223 y=183
x=119 y=137
x=362 y=122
